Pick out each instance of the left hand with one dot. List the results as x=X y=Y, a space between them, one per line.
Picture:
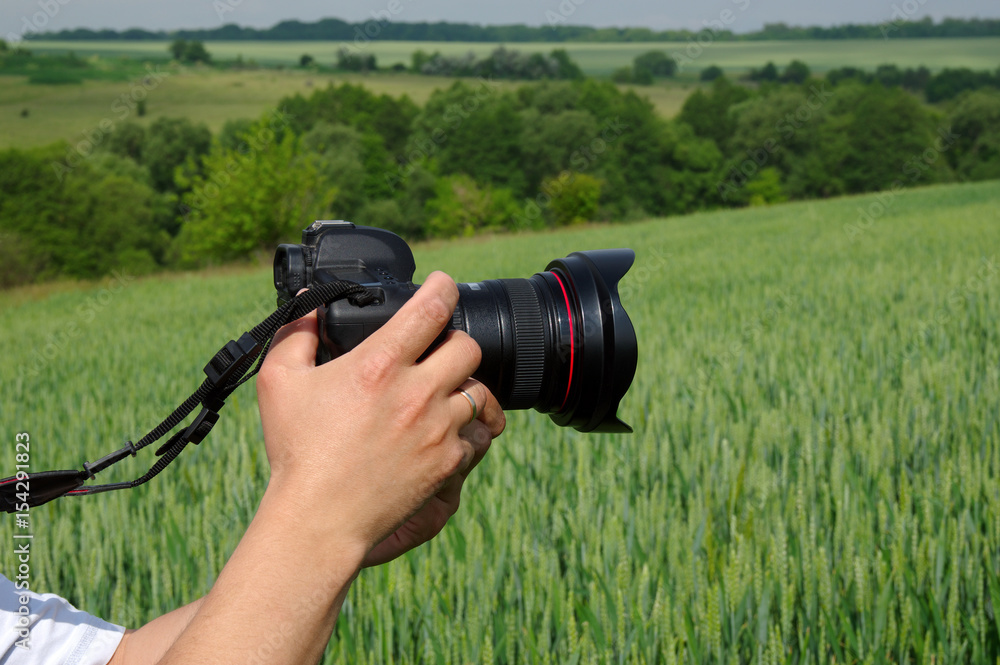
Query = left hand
x=433 y=515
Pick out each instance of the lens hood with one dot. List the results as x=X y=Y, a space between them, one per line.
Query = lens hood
x=604 y=351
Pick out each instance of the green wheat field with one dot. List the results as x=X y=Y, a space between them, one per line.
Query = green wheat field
x=814 y=475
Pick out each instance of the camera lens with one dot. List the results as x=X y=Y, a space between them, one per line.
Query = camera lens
x=559 y=342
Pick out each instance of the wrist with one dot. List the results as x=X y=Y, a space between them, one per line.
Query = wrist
x=333 y=546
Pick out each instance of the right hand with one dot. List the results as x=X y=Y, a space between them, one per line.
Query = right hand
x=362 y=443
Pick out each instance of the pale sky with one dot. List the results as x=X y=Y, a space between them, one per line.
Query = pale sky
x=747 y=15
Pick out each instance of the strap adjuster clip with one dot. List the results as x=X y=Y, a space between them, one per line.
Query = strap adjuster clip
x=230 y=357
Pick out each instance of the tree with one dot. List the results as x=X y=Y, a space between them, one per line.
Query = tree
x=916 y=79
x=471 y=130
x=251 y=200
x=189 y=52
x=708 y=112
x=548 y=141
x=349 y=61
x=177 y=49
x=889 y=132
x=196 y=52
x=768 y=73
x=461 y=207
x=711 y=73
x=568 y=70
x=306 y=60
x=170 y=143
x=889 y=75
x=575 y=198
x=796 y=72
x=340 y=150
x=99 y=216
x=976 y=123
x=657 y=63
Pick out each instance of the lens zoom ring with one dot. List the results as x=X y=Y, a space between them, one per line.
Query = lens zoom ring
x=529 y=343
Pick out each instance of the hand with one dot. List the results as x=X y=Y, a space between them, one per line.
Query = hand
x=431 y=518
x=362 y=444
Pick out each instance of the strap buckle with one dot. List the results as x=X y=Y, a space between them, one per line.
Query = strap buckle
x=230 y=357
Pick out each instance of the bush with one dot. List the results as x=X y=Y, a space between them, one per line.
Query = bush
x=711 y=73
x=796 y=72
x=387 y=214
x=768 y=73
x=463 y=208
x=189 y=52
x=623 y=75
x=19 y=262
x=976 y=122
x=349 y=61
x=98 y=217
x=653 y=64
x=575 y=198
x=251 y=200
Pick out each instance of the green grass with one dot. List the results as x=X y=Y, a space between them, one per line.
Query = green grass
x=814 y=476
x=602 y=59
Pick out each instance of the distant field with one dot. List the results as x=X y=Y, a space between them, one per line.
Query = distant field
x=813 y=476
x=602 y=59
x=210 y=96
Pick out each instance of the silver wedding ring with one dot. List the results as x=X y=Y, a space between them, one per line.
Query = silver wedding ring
x=472 y=402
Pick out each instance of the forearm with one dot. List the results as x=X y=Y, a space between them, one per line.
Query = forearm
x=148 y=644
x=277 y=599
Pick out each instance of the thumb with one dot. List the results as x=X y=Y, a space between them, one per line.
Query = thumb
x=294 y=345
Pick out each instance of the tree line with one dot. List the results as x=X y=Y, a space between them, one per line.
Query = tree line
x=384 y=28
x=476 y=157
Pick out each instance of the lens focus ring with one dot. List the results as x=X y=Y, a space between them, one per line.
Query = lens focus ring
x=529 y=343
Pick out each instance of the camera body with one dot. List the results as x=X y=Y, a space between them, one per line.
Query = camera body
x=559 y=342
x=338 y=250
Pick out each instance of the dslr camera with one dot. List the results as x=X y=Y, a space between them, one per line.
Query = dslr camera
x=559 y=341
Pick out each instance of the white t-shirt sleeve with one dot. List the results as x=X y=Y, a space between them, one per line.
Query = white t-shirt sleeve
x=46 y=629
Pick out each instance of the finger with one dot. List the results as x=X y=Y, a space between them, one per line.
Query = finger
x=417 y=323
x=295 y=344
x=488 y=409
x=465 y=402
x=477 y=433
x=453 y=361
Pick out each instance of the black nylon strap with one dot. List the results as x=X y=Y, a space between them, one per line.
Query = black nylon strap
x=231 y=367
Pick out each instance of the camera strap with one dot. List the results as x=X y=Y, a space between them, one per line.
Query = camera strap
x=233 y=365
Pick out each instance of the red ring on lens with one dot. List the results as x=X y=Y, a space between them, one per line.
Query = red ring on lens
x=572 y=343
